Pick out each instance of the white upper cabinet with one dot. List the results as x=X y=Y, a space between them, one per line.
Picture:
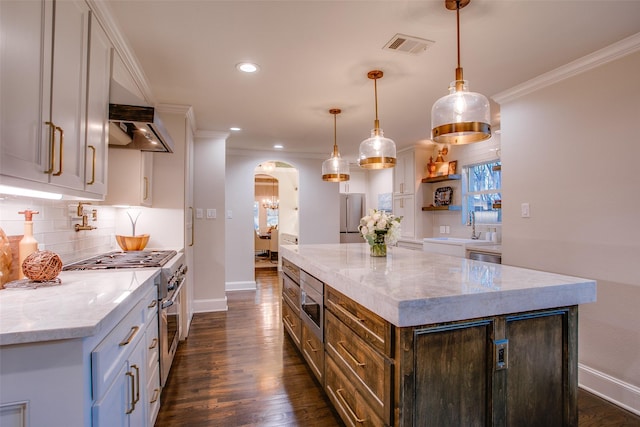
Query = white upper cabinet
x=357 y=182
x=130 y=178
x=100 y=59
x=51 y=86
x=404 y=174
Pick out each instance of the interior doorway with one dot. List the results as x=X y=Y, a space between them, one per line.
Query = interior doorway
x=275 y=210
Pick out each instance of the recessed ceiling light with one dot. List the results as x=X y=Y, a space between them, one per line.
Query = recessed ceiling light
x=235 y=129
x=278 y=146
x=247 y=67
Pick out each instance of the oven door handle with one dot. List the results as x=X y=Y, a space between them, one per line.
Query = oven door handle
x=168 y=303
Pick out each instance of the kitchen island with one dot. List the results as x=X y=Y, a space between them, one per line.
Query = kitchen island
x=67 y=351
x=425 y=339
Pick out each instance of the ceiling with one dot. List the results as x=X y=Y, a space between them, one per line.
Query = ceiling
x=315 y=55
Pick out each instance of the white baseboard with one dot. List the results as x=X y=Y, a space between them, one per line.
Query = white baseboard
x=240 y=286
x=209 y=305
x=618 y=392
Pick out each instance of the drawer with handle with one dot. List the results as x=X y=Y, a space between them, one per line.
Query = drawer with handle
x=369 y=370
x=291 y=270
x=292 y=323
x=372 y=328
x=291 y=293
x=313 y=352
x=108 y=356
x=347 y=400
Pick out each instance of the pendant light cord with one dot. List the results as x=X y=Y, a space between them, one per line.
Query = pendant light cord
x=458 y=28
x=459 y=77
x=335 y=135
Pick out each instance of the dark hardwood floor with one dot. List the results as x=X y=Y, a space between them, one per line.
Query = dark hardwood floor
x=237 y=368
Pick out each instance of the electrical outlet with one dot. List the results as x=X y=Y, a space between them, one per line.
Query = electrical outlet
x=524 y=210
x=211 y=214
x=447 y=230
x=443 y=229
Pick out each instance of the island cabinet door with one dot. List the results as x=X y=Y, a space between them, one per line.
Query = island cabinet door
x=512 y=370
x=541 y=377
x=450 y=374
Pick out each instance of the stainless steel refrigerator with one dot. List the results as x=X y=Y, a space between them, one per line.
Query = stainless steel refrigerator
x=351 y=210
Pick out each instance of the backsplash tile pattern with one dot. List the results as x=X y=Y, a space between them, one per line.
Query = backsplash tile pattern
x=54 y=230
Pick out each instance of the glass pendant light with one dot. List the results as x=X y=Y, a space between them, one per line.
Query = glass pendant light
x=377 y=152
x=462 y=117
x=335 y=168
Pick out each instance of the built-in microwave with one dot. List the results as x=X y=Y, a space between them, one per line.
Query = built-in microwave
x=311 y=303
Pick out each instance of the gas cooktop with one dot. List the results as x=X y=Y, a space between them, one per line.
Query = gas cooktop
x=129 y=259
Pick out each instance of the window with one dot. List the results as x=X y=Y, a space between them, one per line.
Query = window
x=481 y=192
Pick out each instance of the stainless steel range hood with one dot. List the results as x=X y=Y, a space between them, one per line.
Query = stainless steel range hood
x=138 y=128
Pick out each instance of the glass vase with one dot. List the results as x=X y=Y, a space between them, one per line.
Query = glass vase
x=379 y=246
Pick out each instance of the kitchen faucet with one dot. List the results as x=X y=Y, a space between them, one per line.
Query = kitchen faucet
x=85 y=221
x=472 y=222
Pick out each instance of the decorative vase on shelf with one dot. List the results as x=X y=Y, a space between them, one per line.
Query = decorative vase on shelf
x=379 y=247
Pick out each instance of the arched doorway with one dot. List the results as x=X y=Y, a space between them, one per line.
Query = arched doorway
x=275 y=210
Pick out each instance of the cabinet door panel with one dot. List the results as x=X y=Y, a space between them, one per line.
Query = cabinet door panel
x=100 y=55
x=452 y=378
x=536 y=361
x=111 y=409
x=68 y=92
x=25 y=77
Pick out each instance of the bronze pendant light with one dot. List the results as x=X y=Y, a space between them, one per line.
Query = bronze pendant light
x=335 y=168
x=462 y=117
x=377 y=152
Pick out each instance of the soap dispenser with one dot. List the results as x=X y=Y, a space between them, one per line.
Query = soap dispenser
x=28 y=244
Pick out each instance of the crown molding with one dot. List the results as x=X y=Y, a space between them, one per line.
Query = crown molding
x=610 y=53
x=103 y=13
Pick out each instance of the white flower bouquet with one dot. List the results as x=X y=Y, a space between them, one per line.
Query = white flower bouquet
x=380 y=228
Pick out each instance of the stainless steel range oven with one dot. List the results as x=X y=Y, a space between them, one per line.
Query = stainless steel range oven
x=174 y=274
x=173 y=277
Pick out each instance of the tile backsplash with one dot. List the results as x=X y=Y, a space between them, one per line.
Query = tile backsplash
x=53 y=227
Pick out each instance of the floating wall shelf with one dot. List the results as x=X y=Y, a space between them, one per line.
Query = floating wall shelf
x=441 y=178
x=442 y=208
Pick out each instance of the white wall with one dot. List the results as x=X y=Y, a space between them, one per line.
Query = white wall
x=571 y=150
x=317 y=215
x=209 y=246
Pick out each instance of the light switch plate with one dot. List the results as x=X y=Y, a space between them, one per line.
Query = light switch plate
x=211 y=214
x=199 y=213
x=443 y=229
x=524 y=210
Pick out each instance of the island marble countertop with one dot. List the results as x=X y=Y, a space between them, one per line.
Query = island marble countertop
x=412 y=288
x=79 y=307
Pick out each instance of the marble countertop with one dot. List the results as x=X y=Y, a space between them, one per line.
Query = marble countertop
x=79 y=307
x=411 y=288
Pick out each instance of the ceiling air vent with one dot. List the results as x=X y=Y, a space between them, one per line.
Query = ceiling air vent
x=407 y=44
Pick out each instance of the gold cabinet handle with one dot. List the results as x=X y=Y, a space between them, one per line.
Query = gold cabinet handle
x=154 y=343
x=153 y=303
x=93 y=163
x=134 y=331
x=137 y=399
x=287 y=318
x=347 y=312
x=52 y=137
x=346 y=405
x=132 y=388
x=156 y=394
x=351 y=356
x=193 y=226
x=310 y=344
x=59 y=129
x=146 y=188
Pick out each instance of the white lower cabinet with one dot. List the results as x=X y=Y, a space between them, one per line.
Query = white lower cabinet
x=123 y=403
x=125 y=365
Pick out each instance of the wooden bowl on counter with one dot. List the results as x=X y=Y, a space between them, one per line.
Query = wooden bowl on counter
x=132 y=243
